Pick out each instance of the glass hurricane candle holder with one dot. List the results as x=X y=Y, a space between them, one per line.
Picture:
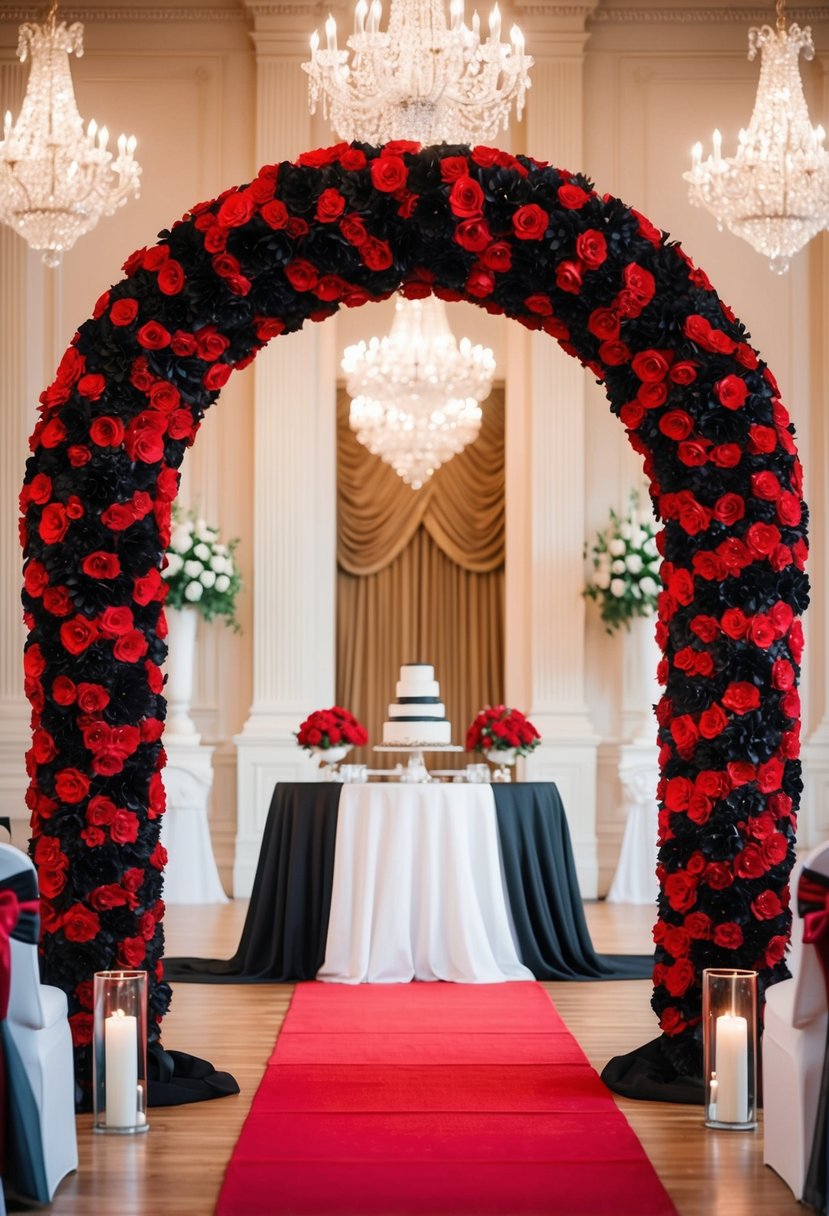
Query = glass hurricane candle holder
x=119 y=1052
x=729 y=1041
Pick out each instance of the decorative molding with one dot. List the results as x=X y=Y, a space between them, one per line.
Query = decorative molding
x=696 y=16
x=30 y=12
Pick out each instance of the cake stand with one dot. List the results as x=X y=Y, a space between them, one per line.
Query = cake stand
x=416 y=770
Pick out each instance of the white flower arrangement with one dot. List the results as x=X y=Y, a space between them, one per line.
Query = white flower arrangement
x=201 y=572
x=624 y=580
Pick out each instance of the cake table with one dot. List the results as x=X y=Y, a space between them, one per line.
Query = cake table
x=416 y=770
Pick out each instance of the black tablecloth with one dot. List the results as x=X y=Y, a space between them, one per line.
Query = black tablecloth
x=287 y=921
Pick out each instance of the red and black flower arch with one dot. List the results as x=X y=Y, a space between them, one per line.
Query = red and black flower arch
x=339 y=227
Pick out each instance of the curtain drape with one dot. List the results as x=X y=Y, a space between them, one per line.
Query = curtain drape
x=420 y=578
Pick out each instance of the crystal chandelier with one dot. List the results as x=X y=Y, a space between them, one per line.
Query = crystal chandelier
x=774 y=193
x=55 y=181
x=416 y=393
x=421 y=79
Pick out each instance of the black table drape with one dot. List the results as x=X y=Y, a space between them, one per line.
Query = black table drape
x=287 y=922
x=543 y=890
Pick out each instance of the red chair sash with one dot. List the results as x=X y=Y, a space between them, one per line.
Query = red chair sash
x=813 y=907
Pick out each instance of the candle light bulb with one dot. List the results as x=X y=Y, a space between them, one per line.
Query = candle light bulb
x=315 y=43
x=476 y=25
x=132 y=144
x=7 y=124
x=103 y=138
x=92 y=129
x=696 y=155
x=360 y=13
x=495 y=23
x=456 y=10
x=331 y=33
x=717 y=145
x=517 y=40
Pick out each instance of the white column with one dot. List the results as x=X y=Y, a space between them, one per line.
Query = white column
x=17 y=415
x=553 y=668
x=294 y=573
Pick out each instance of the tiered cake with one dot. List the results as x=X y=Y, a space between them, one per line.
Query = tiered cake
x=417 y=717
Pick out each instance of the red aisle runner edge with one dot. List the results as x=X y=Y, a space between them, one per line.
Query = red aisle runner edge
x=434 y=1099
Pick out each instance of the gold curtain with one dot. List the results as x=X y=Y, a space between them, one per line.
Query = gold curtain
x=420 y=578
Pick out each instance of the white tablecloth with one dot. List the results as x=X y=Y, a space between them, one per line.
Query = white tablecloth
x=418 y=889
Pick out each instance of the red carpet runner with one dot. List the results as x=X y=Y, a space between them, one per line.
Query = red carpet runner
x=437 y=1099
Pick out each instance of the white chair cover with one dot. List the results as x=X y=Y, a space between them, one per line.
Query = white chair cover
x=39 y=1063
x=794 y=1046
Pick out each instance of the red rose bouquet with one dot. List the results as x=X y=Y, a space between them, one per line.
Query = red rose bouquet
x=498 y=729
x=332 y=727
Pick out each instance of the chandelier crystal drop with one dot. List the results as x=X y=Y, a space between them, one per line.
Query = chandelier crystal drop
x=416 y=393
x=421 y=78
x=56 y=181
x=774 y=193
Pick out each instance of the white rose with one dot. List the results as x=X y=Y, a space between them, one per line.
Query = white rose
x=635 y=592
x=180 y=538
x=193 y=568
x=193 y=592
x=618 y=567
x=221 y=549
x=601 y=579
x=174 y=564
x=617 y=587
x=616 y=547
x=637 y=538
x=202 y=552
x=201 y=529
x=648 y=586
x=217 y=564
x=650 y=548
x=207 y=578
x=222 y=582
x=634 y=563
x=625 y=530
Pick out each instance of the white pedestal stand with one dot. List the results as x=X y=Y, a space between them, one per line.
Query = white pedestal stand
x=416 y=770
x=635 y=879
x=191 y=876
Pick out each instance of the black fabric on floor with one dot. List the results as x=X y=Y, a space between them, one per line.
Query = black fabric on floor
x=648 y=1075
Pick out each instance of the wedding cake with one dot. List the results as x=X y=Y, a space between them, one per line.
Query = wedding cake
x=417 y=718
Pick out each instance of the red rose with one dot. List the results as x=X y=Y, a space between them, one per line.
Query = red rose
x=171 y=277
x=330 y=206
x=466 y=198
x=677 y=793
x=728 y=509
x=236 y=209
x=640 y=283
x=718 y=876
x=51 y=880
x=676 y=941
x=728 y=935
x=81 y=1026
x=101 y=565
x=123 y=312
x=680 y=977
x=782 y=675
x=388 y=174
x=775 y=951
x=153 y=336
x=130 y=647
x=750 y=863
x=118 y=517
x=761 y=632
x=614 y=354
x=725 y=455
x=741 y=697
x=132 y=951
x=676 y=424
x=700 y=808
x=54 y=523
x=591 y=247
x=529 y=223
x=775 y=849
x=64 y=691
x=632 y=414
x=376 y=254
x=693 y=452
x=275 y=214
x=712 y=722
x=671 y=1021
x=650 y=366
x=731 y=392
x=766 y=906
x=473 y=235
x=706 y=628
x=108 y=896
x=71 y=785
x=572 y=197
x=789 y=509
x=683 y=372
x=124 y=827
x=106 y=432
x=115 y=622
x=77 y=634
x=680 y=890
x=100 y=811
x=145 y=442
x=568 y=277
x=698 y=926
x=604 y=324
x=480 y=283
x=497 y=257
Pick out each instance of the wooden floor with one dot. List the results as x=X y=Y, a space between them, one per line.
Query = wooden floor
x=177 y=1168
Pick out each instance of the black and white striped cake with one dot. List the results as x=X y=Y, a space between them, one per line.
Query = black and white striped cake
x=418 y=716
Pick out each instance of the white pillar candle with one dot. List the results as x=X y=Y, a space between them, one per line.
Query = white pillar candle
x=121 y=1069
x=732 y=1069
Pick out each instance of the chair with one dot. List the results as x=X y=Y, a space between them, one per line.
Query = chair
x=794 y=1046
x=38 y=1055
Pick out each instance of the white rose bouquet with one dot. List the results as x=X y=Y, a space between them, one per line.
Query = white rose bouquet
x=624 y=580
x=201 y=572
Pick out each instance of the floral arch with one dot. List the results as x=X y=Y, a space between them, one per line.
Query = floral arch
x=339 y=227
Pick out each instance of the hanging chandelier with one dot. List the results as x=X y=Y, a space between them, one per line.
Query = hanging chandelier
x=421 y=78
x=55 y=180
x=774 y=193
x=416 y=393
